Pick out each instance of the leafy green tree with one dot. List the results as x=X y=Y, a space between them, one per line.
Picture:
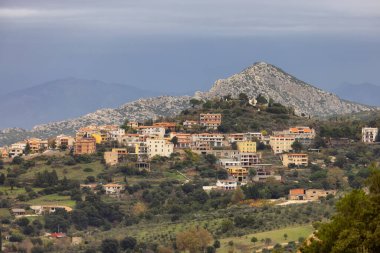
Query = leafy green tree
x=237 y=196
x=174 y=140
x=216 y=244
x=261 y=100
x=128 y=243
x=27 y=149
x=211 y=159
x=80 y=219
x=355 y=226
x=254 y=240
x=125 y=125
x=194 y=102
x=210 y=249
x=2 y=178
x=109 y=246
x=17 y=160
x=194 y=240
x=297 y=146
x=243 y=99
x=226 y=226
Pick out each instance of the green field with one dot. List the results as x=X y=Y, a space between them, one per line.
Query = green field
x=9 y=193
x=53 y=199
x=4 y=213
x=71 y=172
x=244 y=244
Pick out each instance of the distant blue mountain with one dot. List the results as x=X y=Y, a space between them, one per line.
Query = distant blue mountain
x=365 y=93
x=63 y=99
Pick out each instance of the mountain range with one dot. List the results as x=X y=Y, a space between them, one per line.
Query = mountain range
x=260 y=78
x=62 y=99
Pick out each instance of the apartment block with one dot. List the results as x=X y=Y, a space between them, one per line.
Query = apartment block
x=152 y=131
x=295 y=159
x=210 y=120
x=159 y=146
x=17 y=149
x=85 y=146
x=64 y=141
x=190 y=124
x=115 y=156
x=235 y=137
x=246 y=146
x=264 y=174
x=210 y=139
x=229 y=163
x=281 y=143
x=248 y=160
x=369 y=134
x=183 y=140
x=238 y=173
x=37 y=144
x=171 y=126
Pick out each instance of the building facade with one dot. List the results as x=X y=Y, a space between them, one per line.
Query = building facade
x=210 y=120
x=85 y=146
x=369 y=134
x=295 y=159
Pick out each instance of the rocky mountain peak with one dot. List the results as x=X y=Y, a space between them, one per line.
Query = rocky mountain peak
x=271 y=81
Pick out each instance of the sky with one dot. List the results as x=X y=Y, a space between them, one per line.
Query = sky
x=176 y=46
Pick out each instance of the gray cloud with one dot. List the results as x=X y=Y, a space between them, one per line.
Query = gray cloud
x=213 y=17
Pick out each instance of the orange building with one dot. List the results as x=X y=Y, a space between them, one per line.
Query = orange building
x=297 y=194
x=167 y=125
x=85 y=146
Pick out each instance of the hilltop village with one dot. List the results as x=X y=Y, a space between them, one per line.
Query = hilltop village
x=205 y=157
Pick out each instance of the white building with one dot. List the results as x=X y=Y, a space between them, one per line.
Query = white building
x=159 y=146
x=210 y=139
x=152 y=131
x=64 y=141
x=229 y=163
x=369 y=134
x=113 y=189
x=17 y=149
x=116 y=134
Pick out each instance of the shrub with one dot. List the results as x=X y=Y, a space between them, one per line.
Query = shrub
x=88 y=170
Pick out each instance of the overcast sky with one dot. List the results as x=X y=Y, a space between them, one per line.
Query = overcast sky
x=175 y=45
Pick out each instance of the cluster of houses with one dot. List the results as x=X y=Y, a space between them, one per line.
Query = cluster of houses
x=236 y=152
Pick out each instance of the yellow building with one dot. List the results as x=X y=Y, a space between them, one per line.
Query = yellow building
x=246 y=146
x=111 y=158
x=295 y=159
x=98 y=138
x=238 y=173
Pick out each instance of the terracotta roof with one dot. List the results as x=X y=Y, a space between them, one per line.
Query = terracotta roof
x=297 y=191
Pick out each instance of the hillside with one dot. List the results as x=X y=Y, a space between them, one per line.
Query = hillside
x=268 y=80
x=139 y=110
x=62 y=99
